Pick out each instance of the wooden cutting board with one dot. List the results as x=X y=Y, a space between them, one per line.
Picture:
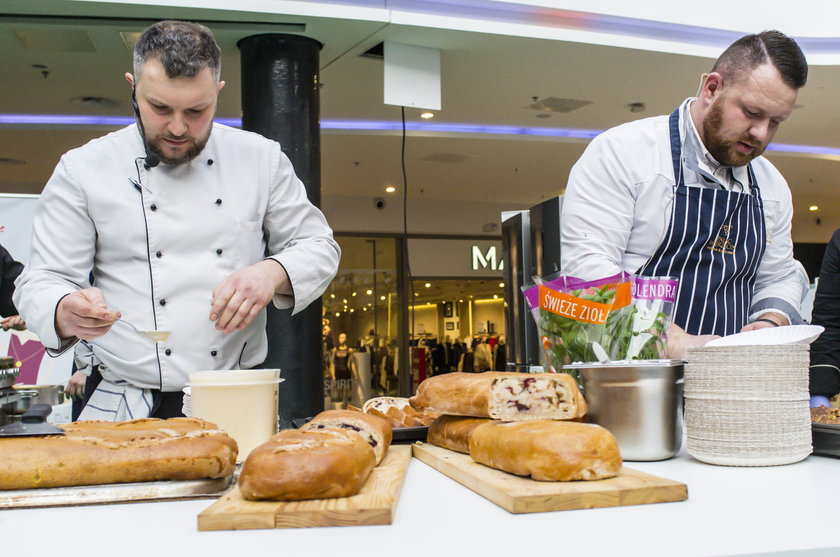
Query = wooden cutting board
x=524 y=495
x=375 y=504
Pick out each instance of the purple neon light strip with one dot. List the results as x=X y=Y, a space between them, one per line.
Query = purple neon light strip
x=367 y=125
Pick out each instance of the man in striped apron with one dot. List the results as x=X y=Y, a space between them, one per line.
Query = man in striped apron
x=690 y=196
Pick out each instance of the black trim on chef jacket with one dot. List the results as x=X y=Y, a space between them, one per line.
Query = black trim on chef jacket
x=138 y=187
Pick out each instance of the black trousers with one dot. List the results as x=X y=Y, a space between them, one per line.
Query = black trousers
x=164 y=405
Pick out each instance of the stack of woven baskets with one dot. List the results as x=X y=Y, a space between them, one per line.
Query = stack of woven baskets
x=748 y=405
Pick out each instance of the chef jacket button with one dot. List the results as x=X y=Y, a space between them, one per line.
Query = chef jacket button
x=158 y=254
x=219 y=201
x=219 y=251
x=153 y=207
x=209 y=162
x=168 y=352
x=163 y=302
x=213 y=353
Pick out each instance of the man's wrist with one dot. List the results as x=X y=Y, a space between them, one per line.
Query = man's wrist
x=775 y=319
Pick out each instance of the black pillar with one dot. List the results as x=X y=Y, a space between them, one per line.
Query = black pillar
x=280 y=101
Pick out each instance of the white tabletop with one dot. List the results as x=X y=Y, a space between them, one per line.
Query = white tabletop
x=729 y=511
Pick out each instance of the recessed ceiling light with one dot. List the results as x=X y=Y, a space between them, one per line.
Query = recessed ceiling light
x=814 y=208
x=369 y=292
x=428 y=284
x=390 y=189
x=501 y=285
x=427 y=115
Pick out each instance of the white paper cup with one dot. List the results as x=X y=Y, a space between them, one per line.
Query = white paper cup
x=243 y=403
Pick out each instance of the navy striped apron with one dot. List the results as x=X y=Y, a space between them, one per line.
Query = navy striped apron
x=714 y=243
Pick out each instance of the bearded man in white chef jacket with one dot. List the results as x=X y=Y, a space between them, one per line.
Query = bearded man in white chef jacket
x=171 y=217
x=689 y=195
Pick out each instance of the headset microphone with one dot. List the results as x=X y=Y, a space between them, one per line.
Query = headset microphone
x=152 y=160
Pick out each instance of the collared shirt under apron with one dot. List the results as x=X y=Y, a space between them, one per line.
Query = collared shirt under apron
x=714 y=244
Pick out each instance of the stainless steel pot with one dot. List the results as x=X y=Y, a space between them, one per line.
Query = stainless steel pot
x=26 y=398
x=47 y=394
x=640 y=402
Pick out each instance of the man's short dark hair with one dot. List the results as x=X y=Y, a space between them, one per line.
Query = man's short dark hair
x=751 y=51
x=183 y=48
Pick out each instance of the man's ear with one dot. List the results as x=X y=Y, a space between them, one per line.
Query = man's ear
x=130 y=79
x=219 y=86
x=713 y=84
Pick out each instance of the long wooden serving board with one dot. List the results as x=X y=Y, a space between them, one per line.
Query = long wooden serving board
x=524 y=495
x=113 y=493
x=375 y=504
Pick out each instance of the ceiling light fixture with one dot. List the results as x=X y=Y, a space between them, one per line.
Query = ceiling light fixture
x=390 y=189
x=427 y=115
x=54 y=120
x=428 y=284
x=369 y=292
x=814 y=208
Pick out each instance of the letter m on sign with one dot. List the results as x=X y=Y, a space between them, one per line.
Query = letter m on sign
x=485 y=260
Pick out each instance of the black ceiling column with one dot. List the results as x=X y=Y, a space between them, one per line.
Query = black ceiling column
x=280 y=101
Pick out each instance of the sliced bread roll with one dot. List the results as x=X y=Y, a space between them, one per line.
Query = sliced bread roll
x=384 y=403
x=508 y=396
x=296 y=465
x=375 y=431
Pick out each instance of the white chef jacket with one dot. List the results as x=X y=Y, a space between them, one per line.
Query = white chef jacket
x=617 y=207
x=159 y=241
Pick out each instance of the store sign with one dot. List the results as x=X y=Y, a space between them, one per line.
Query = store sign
x=486 y=260
x=455 y=257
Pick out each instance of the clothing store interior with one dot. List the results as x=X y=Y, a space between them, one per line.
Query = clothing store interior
x=410 y=189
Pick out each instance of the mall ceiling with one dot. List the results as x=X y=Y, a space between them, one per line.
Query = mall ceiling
x=68 y=57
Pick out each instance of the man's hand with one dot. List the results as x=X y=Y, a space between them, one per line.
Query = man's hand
x=84 y=314
x=15 y=322
x=241 y=296
x=76 y=386
x=777 y=318
x=678 y=340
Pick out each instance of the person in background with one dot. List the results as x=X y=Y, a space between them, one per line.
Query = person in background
x=174 y=216
x=825 y=351
x=688 y=195
x=9 y=271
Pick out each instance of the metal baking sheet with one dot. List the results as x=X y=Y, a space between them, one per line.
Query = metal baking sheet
x=826 y=439
x=114 y=493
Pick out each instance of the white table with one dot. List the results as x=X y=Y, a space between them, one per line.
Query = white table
x=729 y=511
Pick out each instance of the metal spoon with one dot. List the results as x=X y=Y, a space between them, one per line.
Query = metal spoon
x=156 y=336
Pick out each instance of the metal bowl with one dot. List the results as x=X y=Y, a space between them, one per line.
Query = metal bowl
x=640 y=402
x=48 y=394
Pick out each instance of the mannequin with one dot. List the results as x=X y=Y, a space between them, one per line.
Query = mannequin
x=342 y=374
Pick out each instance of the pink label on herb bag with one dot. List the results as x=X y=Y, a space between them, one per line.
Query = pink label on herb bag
x=655 y=289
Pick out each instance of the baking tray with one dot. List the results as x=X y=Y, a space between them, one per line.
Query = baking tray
x=114 y=493
x=826 y=439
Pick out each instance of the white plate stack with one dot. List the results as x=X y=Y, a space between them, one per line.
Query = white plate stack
x=746 y=399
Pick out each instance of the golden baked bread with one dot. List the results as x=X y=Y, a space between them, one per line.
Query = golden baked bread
x=313 y=464
x=373 y=430
x=547 y=450
x=825 y=415
x=502 y=395
x=453 y=432
x=383 y=403
x=94 y=453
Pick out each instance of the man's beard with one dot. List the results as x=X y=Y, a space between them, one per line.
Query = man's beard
x=191 y=153
x=721 y=148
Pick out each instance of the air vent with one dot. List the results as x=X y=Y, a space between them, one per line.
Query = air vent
x=553 y=104
x=53 y=40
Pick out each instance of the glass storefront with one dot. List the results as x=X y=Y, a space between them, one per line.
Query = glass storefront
x=361 y=328
x=453 y=324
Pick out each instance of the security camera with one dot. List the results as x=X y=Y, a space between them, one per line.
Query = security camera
x=379 y=203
